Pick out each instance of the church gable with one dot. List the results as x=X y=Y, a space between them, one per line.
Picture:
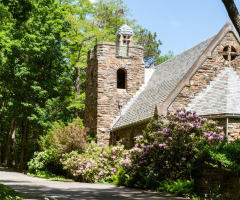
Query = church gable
x=220 y=97
x=217 y=76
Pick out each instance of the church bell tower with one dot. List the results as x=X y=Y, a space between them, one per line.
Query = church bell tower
x=114 y=74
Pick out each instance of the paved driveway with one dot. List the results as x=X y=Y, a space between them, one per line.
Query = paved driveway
x=37 y=188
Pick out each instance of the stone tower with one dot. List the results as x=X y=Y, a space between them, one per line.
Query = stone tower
x=115 y=72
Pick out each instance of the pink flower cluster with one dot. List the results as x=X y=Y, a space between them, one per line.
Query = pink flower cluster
x=95 y=165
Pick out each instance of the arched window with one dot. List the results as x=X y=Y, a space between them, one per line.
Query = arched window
x=121 y=79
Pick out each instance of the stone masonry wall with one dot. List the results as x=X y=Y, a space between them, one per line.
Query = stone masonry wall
x=207 y=72
x=103 y=99
x=211 y=181
x=126 y=135
x=91 y=93
x=233 y=127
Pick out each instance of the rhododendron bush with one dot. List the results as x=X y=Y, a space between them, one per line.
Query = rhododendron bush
x=168 y=148
x=96 y=164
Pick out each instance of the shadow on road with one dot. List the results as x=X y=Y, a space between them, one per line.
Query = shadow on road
x=29 y=191
x=37 y=188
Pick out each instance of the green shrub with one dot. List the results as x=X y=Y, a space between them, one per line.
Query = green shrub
x=226 y=156
x=41 y=161
x=182 y=188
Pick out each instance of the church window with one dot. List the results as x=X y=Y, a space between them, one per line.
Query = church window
x=121 y=79
x=229 y=53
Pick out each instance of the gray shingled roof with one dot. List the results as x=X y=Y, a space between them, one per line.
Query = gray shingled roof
x=220 y=97
x=163 y=81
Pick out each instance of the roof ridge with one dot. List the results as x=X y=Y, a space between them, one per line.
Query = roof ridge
x=185 y=51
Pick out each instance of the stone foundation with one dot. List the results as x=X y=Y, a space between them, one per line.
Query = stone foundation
x=210 y=182
x=126 y=135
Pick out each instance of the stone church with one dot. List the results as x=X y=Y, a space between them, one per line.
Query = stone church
x=122 y=95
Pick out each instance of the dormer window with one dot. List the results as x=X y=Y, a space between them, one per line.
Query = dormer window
x=121 y=79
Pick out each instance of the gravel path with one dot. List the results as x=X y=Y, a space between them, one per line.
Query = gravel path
x=38 y=188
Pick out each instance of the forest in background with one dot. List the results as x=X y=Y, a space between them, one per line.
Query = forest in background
x=43 y=57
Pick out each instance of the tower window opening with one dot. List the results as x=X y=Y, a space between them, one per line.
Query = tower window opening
x=121 y=77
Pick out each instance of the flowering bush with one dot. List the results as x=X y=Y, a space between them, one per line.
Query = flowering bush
x=96 y=164
x=168 y=148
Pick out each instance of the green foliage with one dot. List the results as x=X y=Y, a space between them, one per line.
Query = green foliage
x=91 y=137
x=119 y=177
x=8 y=193
x=161 y=59
x=150 y=44
x=108 y=19
x=20 y=10
x=226 y=156
x=49 y=175
x=41 y=161
x=77 y=101
x=152 y=181
x=182 y=188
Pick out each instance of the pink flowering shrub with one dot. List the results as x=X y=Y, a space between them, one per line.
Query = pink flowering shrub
x=96 y=164
x=168 y=148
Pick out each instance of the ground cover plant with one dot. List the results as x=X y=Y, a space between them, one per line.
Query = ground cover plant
x=8 y=193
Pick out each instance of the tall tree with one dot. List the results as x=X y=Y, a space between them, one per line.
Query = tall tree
x=150 y=44
x=233 y=13
x=35 y=67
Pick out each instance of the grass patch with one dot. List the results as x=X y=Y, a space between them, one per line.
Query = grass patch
x=8 y=193
x=105 y=183
x=48 y=175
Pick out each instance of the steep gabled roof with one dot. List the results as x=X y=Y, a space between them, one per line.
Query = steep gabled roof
x=222 y=96
x=168 y=80
x=164 y=79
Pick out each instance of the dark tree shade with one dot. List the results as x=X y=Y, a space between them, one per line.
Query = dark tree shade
x=121 y=79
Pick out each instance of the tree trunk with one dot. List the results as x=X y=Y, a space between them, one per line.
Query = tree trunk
x=1 y=133
x=7 y=149
x=233 y=13
x=15 y=146
x=21 y=166
x=77 y=89
x=2 y=107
